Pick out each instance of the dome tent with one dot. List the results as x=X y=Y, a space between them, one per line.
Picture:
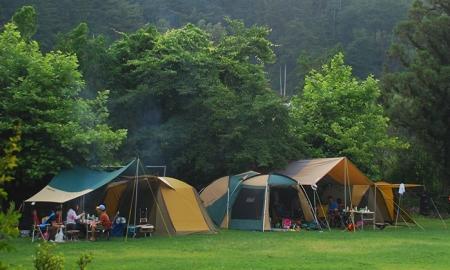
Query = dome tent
x=169 y=204
x=252 y=203
x=220 y=194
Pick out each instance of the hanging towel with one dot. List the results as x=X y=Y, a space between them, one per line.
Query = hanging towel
x=401 y=189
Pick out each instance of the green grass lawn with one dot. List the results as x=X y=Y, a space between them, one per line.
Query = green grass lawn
x=401 y=248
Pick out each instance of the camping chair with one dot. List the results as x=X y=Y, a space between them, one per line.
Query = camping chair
x=101 y=231
x=40 y=229
x=335 y=219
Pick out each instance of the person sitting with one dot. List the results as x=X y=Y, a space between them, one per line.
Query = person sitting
x=73 y=218
x=333 y=211
x=35 y=218
x=51 y=223
x=104 y=221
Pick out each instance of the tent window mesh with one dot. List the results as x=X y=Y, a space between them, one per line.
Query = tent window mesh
x=249 y=204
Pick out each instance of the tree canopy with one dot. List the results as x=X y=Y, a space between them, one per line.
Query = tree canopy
x=339 y=115
x=203 y=107
x=417 y=92
x=40 y=92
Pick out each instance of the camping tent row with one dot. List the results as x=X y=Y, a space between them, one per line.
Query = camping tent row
x=173 y=206
x=244 y=201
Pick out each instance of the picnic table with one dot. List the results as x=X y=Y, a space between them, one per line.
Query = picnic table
x=366 y=215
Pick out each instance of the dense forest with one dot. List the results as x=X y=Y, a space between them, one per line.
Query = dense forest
x=196 y=85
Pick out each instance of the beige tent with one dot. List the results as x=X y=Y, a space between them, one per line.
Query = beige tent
x=339 y=176
x=171 y=205
x=387 y=191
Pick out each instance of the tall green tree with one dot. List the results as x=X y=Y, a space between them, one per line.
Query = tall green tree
x=41 y=93
x=203 y=107
x=418 y=92
x=339 y=115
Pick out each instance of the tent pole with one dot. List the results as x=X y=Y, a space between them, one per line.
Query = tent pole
x=323 y=212
x=398 y=209
x=439 y=214
x=265 y=201
x=315 y=205
x=136 y=197
x=345 y=183
x=375 y=207
x=228 y=204
x=129 y=212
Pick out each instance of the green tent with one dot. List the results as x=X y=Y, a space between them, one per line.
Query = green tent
x=220 y=194
x=251 y=206
x=73 y=183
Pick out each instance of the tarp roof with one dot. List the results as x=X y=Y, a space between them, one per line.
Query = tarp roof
x=311 y=171
x=269 y=179
x=73 y=183
x=383 y=183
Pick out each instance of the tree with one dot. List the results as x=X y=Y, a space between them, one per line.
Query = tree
x=201 y=106
x=25 y=20
x=417 y=93
x=41 y=93
x=91 y=52
x=9 y=219
x=338 y=115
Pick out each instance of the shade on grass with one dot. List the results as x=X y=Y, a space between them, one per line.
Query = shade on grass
x=392 y=248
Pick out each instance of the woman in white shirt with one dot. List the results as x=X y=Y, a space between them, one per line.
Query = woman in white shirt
x=72 y=217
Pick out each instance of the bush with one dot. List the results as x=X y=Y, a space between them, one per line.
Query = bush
x=84 y=260
x=45 y=259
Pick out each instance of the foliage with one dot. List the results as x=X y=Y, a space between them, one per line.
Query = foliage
x=25 y=20
x=91 y=54
x=9 y=219
x=46 y=259
x=41 y=92
x=8 y=161
x=197 y=105
x=417 y=94
x=363 y=28
x=84 y=260
x=338 y=115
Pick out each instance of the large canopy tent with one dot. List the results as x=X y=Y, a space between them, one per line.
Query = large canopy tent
x=76 y=182
x=220 y=194
x=252 y=206
x=334 y=176
x=175 y=208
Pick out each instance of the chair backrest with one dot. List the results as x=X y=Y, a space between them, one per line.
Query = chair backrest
x=143 y=220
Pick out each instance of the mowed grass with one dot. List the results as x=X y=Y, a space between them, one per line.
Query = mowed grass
x=401 y=248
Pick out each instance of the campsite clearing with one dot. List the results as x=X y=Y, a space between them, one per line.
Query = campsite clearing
x=391 y=248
